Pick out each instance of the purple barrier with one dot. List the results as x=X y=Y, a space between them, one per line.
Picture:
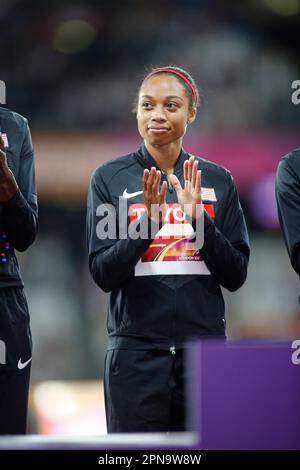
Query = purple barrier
x=244 y=395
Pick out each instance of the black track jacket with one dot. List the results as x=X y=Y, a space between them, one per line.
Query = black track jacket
x=163 y=291
x=288 y=204
x=18 y=216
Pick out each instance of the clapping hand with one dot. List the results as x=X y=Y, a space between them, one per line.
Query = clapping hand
x=154 y=199
x=189 y=197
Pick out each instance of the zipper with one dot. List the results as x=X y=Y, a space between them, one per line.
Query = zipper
x=169 y=186
x=172 y=199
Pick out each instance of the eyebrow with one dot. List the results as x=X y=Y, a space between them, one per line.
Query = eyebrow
x=167 y=97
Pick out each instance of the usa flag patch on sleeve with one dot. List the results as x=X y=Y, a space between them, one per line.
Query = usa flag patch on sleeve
x=208 y=194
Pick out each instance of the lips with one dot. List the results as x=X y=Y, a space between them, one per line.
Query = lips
x=158 y=130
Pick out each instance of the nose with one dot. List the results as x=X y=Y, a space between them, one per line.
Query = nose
x=158 y=114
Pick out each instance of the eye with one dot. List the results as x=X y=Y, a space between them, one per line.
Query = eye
x=172 y=106
x=146 y=105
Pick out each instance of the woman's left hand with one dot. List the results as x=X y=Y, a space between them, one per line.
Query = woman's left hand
x=189 y=197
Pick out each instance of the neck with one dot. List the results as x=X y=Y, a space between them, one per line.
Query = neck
x=165 y=156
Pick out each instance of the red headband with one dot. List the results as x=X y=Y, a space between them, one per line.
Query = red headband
x=176 y=73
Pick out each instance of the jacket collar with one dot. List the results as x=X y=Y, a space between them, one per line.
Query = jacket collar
x=146 y=159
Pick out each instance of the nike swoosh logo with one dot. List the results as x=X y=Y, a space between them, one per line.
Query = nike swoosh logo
x=21 y=364
x=127 y=195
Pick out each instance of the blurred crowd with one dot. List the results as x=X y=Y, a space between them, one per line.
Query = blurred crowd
x=77 y=65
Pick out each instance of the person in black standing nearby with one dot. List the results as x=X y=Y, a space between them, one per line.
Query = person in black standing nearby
x=18 y=229
x=288 y=204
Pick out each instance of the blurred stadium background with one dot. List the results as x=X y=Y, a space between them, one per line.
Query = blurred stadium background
x=73 y=69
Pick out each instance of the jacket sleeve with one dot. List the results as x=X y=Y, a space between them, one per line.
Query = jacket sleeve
x=20 y=213
x=288 y=204
x=112 y=260
x=226 y=244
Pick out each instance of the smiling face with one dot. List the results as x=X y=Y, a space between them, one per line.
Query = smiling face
x=163 y=110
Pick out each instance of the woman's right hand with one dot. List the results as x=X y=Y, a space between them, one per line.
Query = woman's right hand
x=154 y=200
